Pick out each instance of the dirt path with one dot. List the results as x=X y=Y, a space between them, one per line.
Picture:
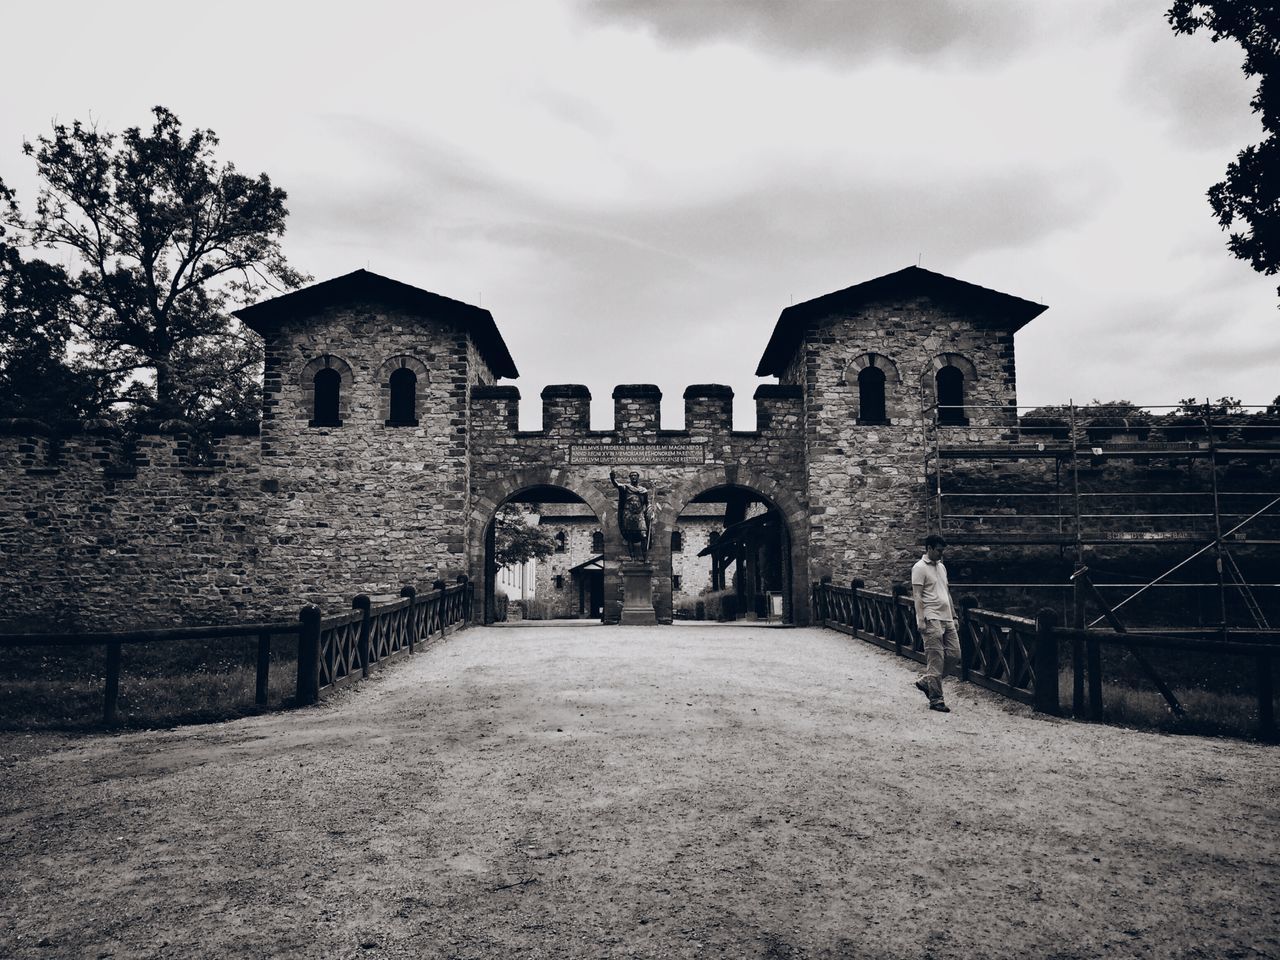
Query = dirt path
x=668 y=792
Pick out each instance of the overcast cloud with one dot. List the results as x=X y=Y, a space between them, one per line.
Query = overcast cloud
x=637 y=188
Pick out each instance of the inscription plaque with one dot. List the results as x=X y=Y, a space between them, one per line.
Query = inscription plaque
x=626 y=454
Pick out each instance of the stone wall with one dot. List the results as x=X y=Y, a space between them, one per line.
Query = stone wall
x=769 y=461
x=100 y=535
x=866 y=482
x=367 y=507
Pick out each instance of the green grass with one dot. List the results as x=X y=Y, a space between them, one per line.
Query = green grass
x=1226 y=711
x=161 y=684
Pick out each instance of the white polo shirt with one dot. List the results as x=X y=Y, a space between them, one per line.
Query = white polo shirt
x=937 y=591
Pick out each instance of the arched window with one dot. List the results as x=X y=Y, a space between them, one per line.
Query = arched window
x=328 y=386
x=404 y=385
x=677 y=541
x=871 y=396
x=597 y=542
x=560 y=541
x=951 y=396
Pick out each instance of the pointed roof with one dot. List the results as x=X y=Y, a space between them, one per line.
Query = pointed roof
x=999 y=308
x=478 y=322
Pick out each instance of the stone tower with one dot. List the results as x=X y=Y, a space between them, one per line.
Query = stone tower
x=871 y=359
x=365 y=431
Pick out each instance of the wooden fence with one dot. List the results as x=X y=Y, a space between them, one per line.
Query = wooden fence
x=1019 y=658
x=335 y=650
x=331 y=650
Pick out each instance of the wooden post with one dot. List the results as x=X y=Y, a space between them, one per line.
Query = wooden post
x=855 y=616
x=362 y=603
x=412 y=594
x=1093 y=652
x=1044 y=664
x=1266 y=694
x=439 y=586
x=468 y=594
x=264 y=666
x=967 y=603
x=308 y=655
x=112 y=692
x=1077 y=649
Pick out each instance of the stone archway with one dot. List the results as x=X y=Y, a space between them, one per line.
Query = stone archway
x=486 y=502
x=794 y=515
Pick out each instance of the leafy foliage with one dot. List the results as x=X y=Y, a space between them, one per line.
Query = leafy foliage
x=1250 y=194
x=161 y=241
x=1223 y=406
x=516 y=539
x=39 y=377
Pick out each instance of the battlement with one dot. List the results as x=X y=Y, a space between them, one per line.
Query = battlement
x=103 y=447
x=637 y=410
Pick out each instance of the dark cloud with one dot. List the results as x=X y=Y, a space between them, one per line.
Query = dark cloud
x=838 y=30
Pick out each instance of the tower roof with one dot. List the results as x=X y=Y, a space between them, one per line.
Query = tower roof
x=478 y=322
x=998 y=308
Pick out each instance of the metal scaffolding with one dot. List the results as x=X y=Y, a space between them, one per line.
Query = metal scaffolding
x=1023 y=508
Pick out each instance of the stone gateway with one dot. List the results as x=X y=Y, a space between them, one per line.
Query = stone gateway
x=387 y=444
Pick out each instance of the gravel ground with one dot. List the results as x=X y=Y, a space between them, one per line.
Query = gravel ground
x=708 y=791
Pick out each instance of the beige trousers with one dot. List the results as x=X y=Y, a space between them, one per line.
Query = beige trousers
x=941 y=644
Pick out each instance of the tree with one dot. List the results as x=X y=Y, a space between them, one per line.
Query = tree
x=1250 y=194
x=38 y=376
x=516 y=539
x=163 y=241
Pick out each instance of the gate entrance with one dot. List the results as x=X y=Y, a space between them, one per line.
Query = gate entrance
x=544 y=557
x=746 y=557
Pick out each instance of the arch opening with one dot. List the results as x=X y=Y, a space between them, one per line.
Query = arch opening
x=326 y=411
x=950 y=380
x=871 y=402
x=403 y=412
x=736 y=563
x=540 y=557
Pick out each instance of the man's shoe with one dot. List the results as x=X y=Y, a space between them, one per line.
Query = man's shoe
x=923 y=686
x=939 y=705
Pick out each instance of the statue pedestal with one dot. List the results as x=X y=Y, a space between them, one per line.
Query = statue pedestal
x=637 y=594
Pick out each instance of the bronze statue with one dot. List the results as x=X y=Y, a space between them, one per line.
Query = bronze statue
x=634 y=514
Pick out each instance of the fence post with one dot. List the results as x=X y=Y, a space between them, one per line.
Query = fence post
x=824 y=599
x=308 y=655
x=967 y=603
x=264 y=666
x=440 y=586
x=1093 y=656
x=1266 y=693
x=900 y=622
x=112 y=692
x=410 y=592
x=855 y=614
x=1044 y=666
x=464 y=604
x=362 y=603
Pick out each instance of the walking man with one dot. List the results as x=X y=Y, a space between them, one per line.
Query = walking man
x=935 y=617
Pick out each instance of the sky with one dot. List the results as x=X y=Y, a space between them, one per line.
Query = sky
x=636 y=188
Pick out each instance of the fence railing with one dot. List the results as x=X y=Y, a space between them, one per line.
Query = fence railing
x=1013 y=656
x=1020 y=658
x=331 y=650
x=334 y=650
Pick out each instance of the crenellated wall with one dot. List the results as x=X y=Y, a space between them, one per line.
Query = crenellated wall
x=97 y=533
x=768 y=461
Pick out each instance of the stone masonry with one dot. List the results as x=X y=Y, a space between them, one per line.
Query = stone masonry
x=100 y=530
